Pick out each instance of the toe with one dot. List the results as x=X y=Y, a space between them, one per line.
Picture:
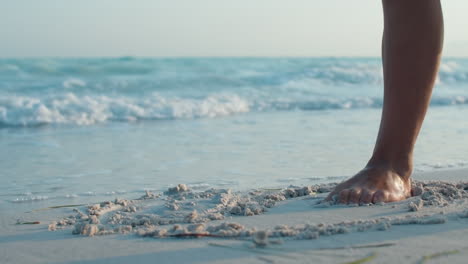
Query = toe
x=354 y=195
x=366 y=197
x=343 y=197
x=380 y=197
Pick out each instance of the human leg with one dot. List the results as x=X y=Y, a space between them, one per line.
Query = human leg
x=411 y=50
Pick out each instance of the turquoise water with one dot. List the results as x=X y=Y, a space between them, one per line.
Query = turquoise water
x=79 y=130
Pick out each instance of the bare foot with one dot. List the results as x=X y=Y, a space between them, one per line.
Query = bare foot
x=373 y=185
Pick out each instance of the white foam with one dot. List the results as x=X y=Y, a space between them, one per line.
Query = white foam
x=87 y=110
x=31 y=198
x=441 y=165
x=73 y=82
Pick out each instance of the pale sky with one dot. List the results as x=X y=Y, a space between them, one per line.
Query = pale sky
x=155 y=28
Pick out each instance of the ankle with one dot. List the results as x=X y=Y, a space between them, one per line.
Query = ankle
x=401 y=166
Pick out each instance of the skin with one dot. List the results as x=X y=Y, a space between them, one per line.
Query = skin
x=411 y=50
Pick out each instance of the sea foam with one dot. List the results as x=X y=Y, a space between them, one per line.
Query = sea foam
x=70 y=108
x=87 y=110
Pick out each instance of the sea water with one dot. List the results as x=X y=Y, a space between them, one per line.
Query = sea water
x=85 y=130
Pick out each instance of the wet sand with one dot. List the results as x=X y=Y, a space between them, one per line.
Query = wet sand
x=262 y=225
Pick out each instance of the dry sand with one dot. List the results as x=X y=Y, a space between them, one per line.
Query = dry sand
x=260 y=226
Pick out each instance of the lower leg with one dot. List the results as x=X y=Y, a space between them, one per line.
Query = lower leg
x=412 y=44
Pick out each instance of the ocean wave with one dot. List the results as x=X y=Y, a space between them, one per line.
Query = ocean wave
x=224 y=71
x=88 y=110
x=36 y=92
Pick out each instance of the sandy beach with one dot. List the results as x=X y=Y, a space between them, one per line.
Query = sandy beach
x=261 y=226
x=233 y=169
x=233 y=132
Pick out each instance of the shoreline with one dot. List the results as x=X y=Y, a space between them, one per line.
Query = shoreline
x=383 y=236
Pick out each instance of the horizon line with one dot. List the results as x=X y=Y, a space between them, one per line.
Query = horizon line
x=207 y=57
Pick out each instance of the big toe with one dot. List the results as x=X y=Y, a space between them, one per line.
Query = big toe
x=343 y=196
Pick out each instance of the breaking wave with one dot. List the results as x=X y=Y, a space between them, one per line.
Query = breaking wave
x=87 y=110
x=88 y=91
